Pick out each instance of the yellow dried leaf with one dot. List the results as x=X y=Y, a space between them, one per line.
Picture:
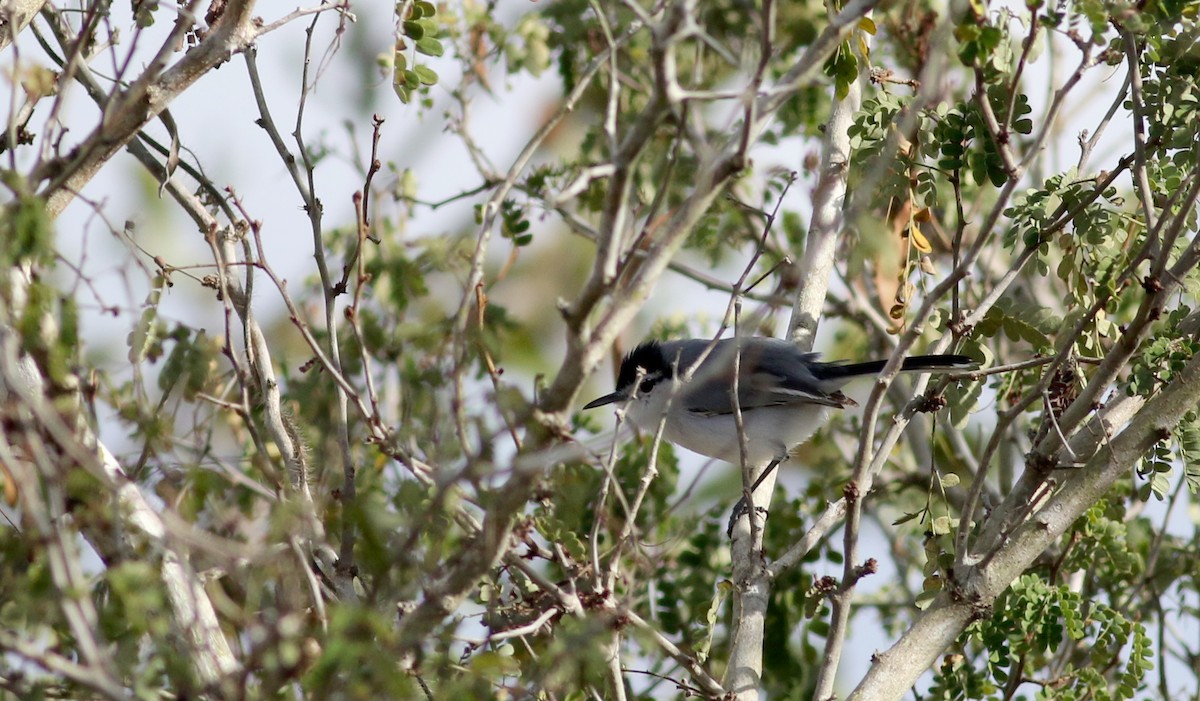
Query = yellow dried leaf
x=39 y=82
x=10 y=486
x=919 y=241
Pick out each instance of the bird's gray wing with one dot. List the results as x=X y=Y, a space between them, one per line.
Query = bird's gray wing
x=772 y=372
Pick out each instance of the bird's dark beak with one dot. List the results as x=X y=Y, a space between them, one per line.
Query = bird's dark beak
x=606 y=399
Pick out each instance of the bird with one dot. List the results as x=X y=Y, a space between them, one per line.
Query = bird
x=784 y=394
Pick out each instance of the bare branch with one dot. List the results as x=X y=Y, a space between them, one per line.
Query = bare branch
x=897 y=669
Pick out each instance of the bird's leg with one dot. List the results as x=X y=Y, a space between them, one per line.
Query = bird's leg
x=770 y=468
x=741 y=508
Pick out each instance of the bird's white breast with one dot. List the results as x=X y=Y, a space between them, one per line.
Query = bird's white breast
x=771 y=431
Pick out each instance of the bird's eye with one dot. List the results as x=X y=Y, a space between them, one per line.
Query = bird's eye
x=648 y=384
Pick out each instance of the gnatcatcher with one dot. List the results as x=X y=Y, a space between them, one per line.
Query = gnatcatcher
x=784 y=394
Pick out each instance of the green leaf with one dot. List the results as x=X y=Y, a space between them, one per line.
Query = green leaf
x=724 y=587
x=941 y=525
x=27 y=232
x=173 y=369
x=426 y=75
x=145 y=340
x=494 y=665
x=961 y=399
x=925 y=598
x=413 y=29
x=430 y=46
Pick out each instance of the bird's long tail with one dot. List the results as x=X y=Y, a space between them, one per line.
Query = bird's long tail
x=913 y=363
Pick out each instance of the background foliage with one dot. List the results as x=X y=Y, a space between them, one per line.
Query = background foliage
x=324 y=442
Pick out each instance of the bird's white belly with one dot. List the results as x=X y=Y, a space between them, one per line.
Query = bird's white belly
x=770 y=431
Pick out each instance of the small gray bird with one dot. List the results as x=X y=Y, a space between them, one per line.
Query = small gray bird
x=784 y=394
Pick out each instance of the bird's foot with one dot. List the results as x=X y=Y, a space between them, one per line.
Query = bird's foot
x=741 y=509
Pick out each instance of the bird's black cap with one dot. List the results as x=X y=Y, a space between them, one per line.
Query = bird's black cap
x=647 y=359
